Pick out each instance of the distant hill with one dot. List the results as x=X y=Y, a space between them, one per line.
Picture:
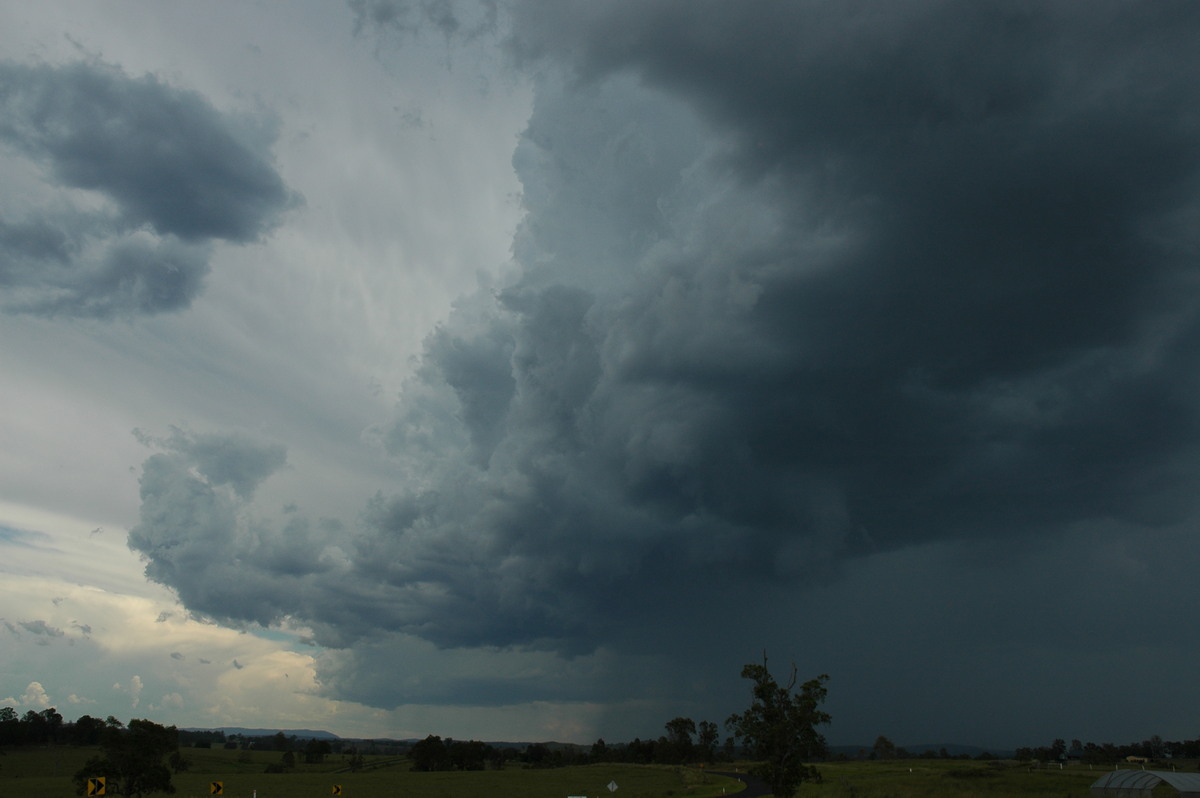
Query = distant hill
x=953 y=749
x=958 y=750
x=299 y=734
x=319 y=734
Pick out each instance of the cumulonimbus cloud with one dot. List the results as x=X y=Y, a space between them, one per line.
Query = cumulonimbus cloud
x=797 y=283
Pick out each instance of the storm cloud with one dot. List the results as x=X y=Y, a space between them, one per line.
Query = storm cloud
x=809 y=283
x=123 y=185
x=798 y=285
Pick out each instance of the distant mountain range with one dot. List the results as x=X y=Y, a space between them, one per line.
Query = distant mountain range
x=299 y=734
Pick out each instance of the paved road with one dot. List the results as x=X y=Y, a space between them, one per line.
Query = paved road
x=755 y=787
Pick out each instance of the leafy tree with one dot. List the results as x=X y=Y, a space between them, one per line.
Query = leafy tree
x=677 y=747
x=707 y=741
x=132 y=759
x=780 y=727
x=10 y=726
x=470 y=755
x=86 y=730
x=178 y=762
x=429 y=754
x=316 y=750
x=883 y=748
x=41 y=727
x=500 y=756
x=540 y=756
x=639 y=752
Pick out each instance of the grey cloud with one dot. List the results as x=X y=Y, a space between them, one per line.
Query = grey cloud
x=391 y=670
x=165 y=155
x=227 y=460
x=804 y=283
x=200 y=533
x=178 y=174
x=1002 y=213
x=41 y=628
x=801 y=287
x=451 y=18
x=118 y=275
x=192 y=528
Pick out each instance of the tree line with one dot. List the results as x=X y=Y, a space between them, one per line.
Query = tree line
x=684 y=742
x=1059 y=750
x=1155 y=748
x=779 y=729
x=47 y=728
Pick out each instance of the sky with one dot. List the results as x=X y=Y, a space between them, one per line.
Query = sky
x=520 y=370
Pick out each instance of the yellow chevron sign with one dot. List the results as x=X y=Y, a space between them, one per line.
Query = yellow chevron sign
x=337 y=789
x=96 y=786
x=216 y=788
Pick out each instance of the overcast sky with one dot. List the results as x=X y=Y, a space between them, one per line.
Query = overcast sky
x=520 y=370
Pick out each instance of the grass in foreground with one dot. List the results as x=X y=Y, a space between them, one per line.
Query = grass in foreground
x=47 y=773
x=933 y=778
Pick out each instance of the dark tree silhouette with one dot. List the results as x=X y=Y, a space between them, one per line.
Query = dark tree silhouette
x=780 y=727
x=131 y=759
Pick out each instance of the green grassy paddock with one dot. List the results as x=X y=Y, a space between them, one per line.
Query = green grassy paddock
x=937 y=778
x=47 y=773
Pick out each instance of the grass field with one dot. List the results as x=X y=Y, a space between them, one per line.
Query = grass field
x=46 y=773
x=936 y=778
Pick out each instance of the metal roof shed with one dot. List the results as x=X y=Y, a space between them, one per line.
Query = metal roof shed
x=1140 y=783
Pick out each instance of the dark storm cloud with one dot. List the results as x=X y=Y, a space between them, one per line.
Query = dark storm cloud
x=926 y=276
x=801 y=284
x=1011 y=190
x=177 y=174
